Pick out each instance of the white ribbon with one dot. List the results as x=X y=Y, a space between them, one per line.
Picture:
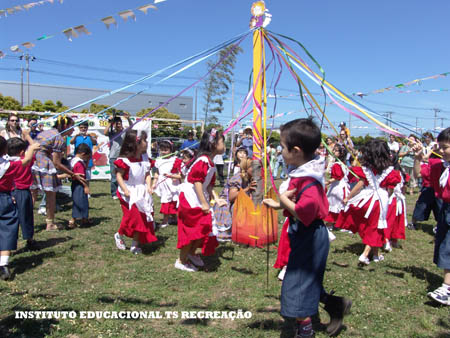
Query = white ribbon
x=444 y=176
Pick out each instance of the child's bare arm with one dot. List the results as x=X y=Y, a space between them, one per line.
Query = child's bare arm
x=120 y=181
x=355 y=191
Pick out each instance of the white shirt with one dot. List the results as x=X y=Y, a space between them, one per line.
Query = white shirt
x=218 y=159
x=394 y=146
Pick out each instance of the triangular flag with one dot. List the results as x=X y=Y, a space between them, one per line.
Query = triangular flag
x=27 y=6
x=69 y=33
x=109 y=20
x=15 y=49
x=10 y=10
x=2 y=13
x=28 y=45
x=158 y=1
x=44 y=37
x=51 y=1
x=127 y=14
x=82 y=29
x=60 y=1
x=2 y=55
x=18 y=8
x=145 y=8
x=41 y=2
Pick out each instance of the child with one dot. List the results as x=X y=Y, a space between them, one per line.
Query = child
x=9 y=221
x=241 y=154
x=194 y=214
x=23 y=180
x=367 y=203
x=396 y=216
x=134 y=192
x=179 y=169
x=441 y=184
x=164 y=186
x=306 y=203
x=80 y=190
x=338 y=184
x=223 y=218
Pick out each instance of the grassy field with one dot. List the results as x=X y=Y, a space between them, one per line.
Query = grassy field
x=81 y=270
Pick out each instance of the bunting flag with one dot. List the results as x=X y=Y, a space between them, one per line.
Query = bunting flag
x=74 y=32
x=18 y=8
x=109 y=20
x=158 y=1
x=127 y=14
x=401 y=85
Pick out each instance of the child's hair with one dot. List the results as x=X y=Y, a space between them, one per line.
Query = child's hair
x=3 y=146
x=189 y=153
x=302 y=133
x=375 y=154
x=130 y=143
x=15 y=146
x=166 y=145
x=342 y=152
x=245 y=165
x=84 y=124
x=396 y=164
x=444 y=136
x=83 y=148
x=428 y=134
x=209 y=141
x=63 y=123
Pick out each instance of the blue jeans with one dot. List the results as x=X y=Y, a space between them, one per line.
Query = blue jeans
x=65 y=189
x=283 y=173
x=112 y=170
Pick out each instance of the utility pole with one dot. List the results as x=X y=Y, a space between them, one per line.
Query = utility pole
x=21 y=85
x=27 y=57
x=436 y=110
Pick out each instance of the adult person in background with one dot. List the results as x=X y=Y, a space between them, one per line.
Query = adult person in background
x=247 y=141
x=114 y=131
x=429 y=146
x=280 y=163
x=393 y=144
x=12 y=129
x=190 y=142
x=346 y=141
x=35 y=127
x=407 y=162
x=330 y=158
x=48 y=162
x=344 y=128
x=89 y=139
x=219 y=164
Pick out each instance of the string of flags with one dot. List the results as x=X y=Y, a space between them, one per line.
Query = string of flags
x=74 y=32
x=402 y=85
x=9 y=11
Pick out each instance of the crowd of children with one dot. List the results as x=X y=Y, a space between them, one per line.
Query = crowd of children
x=367 y=198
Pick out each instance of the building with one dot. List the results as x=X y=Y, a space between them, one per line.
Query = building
x=72 y=96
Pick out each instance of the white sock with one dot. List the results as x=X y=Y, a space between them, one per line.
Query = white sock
x=4 y=260
x=443 y=284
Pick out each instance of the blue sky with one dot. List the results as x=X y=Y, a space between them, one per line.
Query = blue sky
x=362 y=45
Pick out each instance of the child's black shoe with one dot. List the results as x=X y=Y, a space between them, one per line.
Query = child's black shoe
x=4 y=272
x=337 y=308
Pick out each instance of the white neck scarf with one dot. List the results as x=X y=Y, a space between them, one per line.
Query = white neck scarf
x=444 y=176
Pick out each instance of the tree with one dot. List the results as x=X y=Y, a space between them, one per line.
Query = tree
x=217 y=84
x=163 y=128
x=9 y=103
x=36 y=105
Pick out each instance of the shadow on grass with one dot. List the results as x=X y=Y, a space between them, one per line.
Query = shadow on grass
x=95 y=221
x=100 y=194
x=151 y=248
x=213 y=262
x=23 y=264
x=243 y=271
x=48 y=243
x=132 y=300
x=196 y=321
x=427 y=228
x=433 y=280
x=354 y=248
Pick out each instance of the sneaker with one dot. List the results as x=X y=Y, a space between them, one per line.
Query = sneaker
x=387 y=247
x=434 y=230
x=136 y=250
x=395 y=244
x=363 y=260
x=411 y=226
x=120 y=244
x=300 y=334
x=196 y=260
x=115 y=197
x=441 y=295
x=162 y=226
x=185 y=267
x=4 y=272
x=378 y=258
x=282 y=273
x=42 y=211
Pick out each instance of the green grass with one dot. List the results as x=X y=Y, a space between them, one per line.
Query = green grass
x=81 y=270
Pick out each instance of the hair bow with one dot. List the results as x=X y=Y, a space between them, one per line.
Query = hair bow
x=212 y=134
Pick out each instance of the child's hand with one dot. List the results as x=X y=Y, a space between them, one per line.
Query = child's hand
x=205 y=208
x=35 y=146
x=271 y=203
x=345 y=200
x=126 y=193
x=150 y=189
x=253 y=185
x=289 y=194
x=86 y=190
x=79 y=177
x=221 y=202
x=168 y=175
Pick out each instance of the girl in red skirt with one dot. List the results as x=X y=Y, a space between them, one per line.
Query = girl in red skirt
x=134 y=192
x=366 y=206
x=194 y=214
x=396 y=215
x=338 y=187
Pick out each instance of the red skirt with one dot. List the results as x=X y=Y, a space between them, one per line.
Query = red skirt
x=331 y=217
x=169 y=208
x=284 y=247
x=396 y=223
x=135 y=221
x=353 y=219
x=193 y=224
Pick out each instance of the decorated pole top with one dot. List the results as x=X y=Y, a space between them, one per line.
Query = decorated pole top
x=260 y=15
